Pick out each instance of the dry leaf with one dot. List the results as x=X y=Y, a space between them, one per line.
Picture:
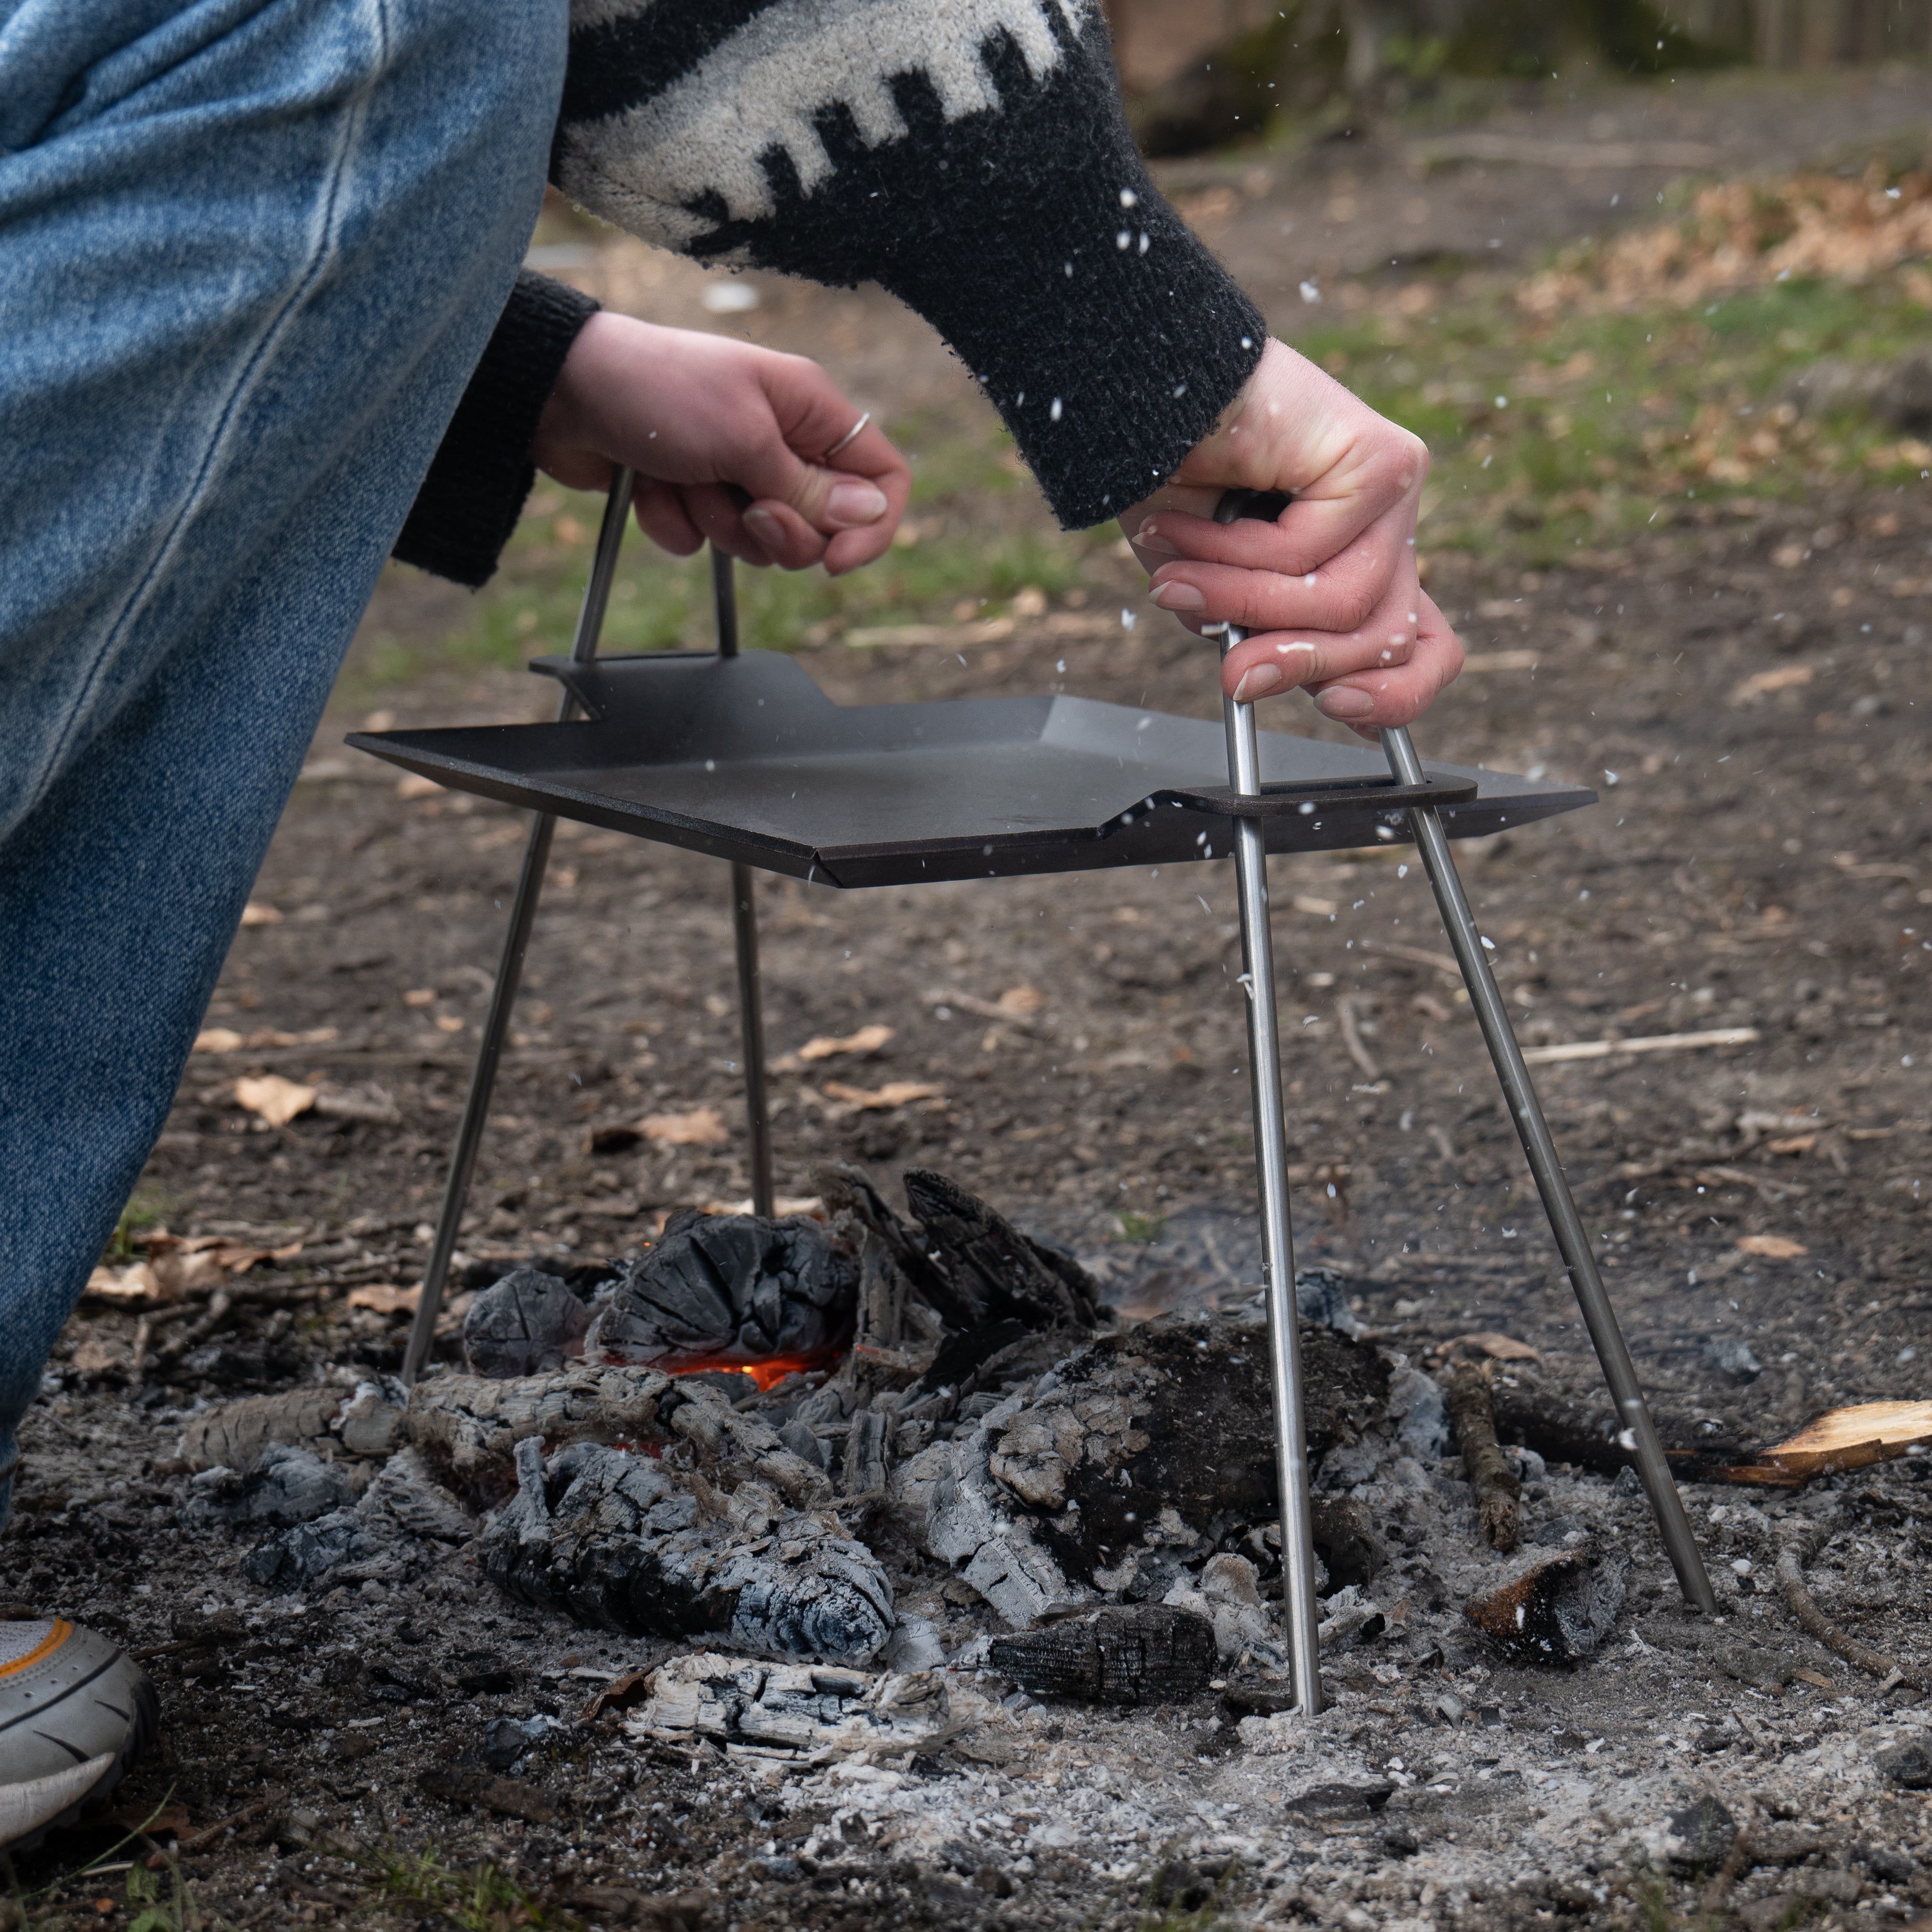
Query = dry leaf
x=259 y=912
x=1498 y=1347
x=1848 y=1439
x=867 y=1040
x=1817 y=1678
x=1017 y=1002
x=420 y=996
x=449 y=1023
x=1797 y=1144
x=1773 y=1247
x=225 y=1039
x=701 y=1127
x=94 y=1356
x=385 y=1298
x=893 y=1093
x=217 y=1039
x=135 y=1287
x=1786 y=677
x=416 y=786
x=277 y=1100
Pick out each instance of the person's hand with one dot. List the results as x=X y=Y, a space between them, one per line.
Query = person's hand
x=1329 y=593
x=729 y=442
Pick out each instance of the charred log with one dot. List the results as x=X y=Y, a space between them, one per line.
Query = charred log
x=994 y=1272
x=729 y=1291
x=606 y=1537
x=1346 y=1542
x=1494 y=1484
x=1150 y=1655
x=468 y=1427
x=1563 y=1430
x=525 y=1324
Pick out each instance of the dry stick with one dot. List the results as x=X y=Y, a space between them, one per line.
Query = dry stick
x=1791 y=1579
x=1345 y=1008
x=1473 y=1417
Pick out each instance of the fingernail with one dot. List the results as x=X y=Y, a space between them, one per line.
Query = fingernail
x=1256 y=683
x=1344 y=700
x=1179 y=597
x=765 y=528
x=1148 y=537
x=851 y=503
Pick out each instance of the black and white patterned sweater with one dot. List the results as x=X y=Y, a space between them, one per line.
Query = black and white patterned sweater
x=971 y=156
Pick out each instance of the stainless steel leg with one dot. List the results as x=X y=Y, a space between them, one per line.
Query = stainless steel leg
x=745 y=935
x=1572 y=1240
x=510 y=966
x=1297 y=1541
x=752 y=1026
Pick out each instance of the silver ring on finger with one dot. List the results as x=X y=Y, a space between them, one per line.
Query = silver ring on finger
x=849 y=435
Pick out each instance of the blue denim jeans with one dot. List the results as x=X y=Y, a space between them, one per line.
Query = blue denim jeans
x=249 y=252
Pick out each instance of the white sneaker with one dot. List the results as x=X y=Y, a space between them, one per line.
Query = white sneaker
x=74 y=1711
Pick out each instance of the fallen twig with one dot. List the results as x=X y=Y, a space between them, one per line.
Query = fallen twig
x=1413 y=956
x=1661 y=1043
x=1487 y=1468
x=1874 y=1663
x=193 y=1841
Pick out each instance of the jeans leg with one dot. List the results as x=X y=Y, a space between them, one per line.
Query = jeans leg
x=245 y=271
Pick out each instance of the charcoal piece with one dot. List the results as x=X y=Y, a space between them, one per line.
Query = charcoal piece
x=287 y=1486
x=608 y=1538
x=1557 y=1611
x=727 y=1291
x=406 y=1492
x=523 y=1324
x=1346 y=1542
x=343 y=1546
x=993 y=1272
x=1701 y=1835
x=797 y=1437
x=1341 y=1800
x=1588 y=1435
x=1151 y=1654
x=506 y=1741
x=1731 y=1355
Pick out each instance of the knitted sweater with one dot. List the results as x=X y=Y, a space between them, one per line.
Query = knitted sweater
x=971 y=156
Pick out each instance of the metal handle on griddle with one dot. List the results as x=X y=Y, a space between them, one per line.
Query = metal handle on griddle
x=516 y=943
x=1297 y=1539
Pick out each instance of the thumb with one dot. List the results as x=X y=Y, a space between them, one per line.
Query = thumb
x=833 y=499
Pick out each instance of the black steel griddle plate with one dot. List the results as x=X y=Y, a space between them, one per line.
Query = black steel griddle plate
x=747 y=759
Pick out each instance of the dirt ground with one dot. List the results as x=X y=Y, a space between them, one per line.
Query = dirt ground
x=1758 y=858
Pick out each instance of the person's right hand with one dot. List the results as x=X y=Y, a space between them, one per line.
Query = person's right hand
x=700 y=417
x=1328 y=593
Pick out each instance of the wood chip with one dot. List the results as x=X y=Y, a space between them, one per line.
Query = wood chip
x=703 y=1126
x=1486 y=1341
x=1772 y=1247
x=1662 y=1043
x=1848 y=1439
x=867 y=1040
x=1762 y=684
x=277 y=1100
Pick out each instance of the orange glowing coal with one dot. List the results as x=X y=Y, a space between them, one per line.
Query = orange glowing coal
x=766 y=1373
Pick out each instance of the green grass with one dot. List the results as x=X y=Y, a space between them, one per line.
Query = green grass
x=147 y=1207
x=484 y=1898
x=1579 y=432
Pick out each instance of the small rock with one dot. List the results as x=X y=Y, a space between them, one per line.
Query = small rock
x=1322 y=1295
x=508 y=1740
x=1558 y=1610
x=1908 y=1763
x=915 y=1646
x=1731 y=1355
x=527 y=1324
x=1701 y=1837
x=1832 y=1887
x=1888 y=1866
x=994 y=1883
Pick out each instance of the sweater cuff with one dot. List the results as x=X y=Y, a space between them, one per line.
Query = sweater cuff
x=470 y=500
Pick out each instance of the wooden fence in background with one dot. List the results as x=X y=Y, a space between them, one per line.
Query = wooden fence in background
x=1808 y=33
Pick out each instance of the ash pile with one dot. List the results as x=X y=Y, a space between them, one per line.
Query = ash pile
x=867 y=1439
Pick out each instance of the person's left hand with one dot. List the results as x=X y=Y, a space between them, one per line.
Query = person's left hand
x=700 y=417
x=1328 y=593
